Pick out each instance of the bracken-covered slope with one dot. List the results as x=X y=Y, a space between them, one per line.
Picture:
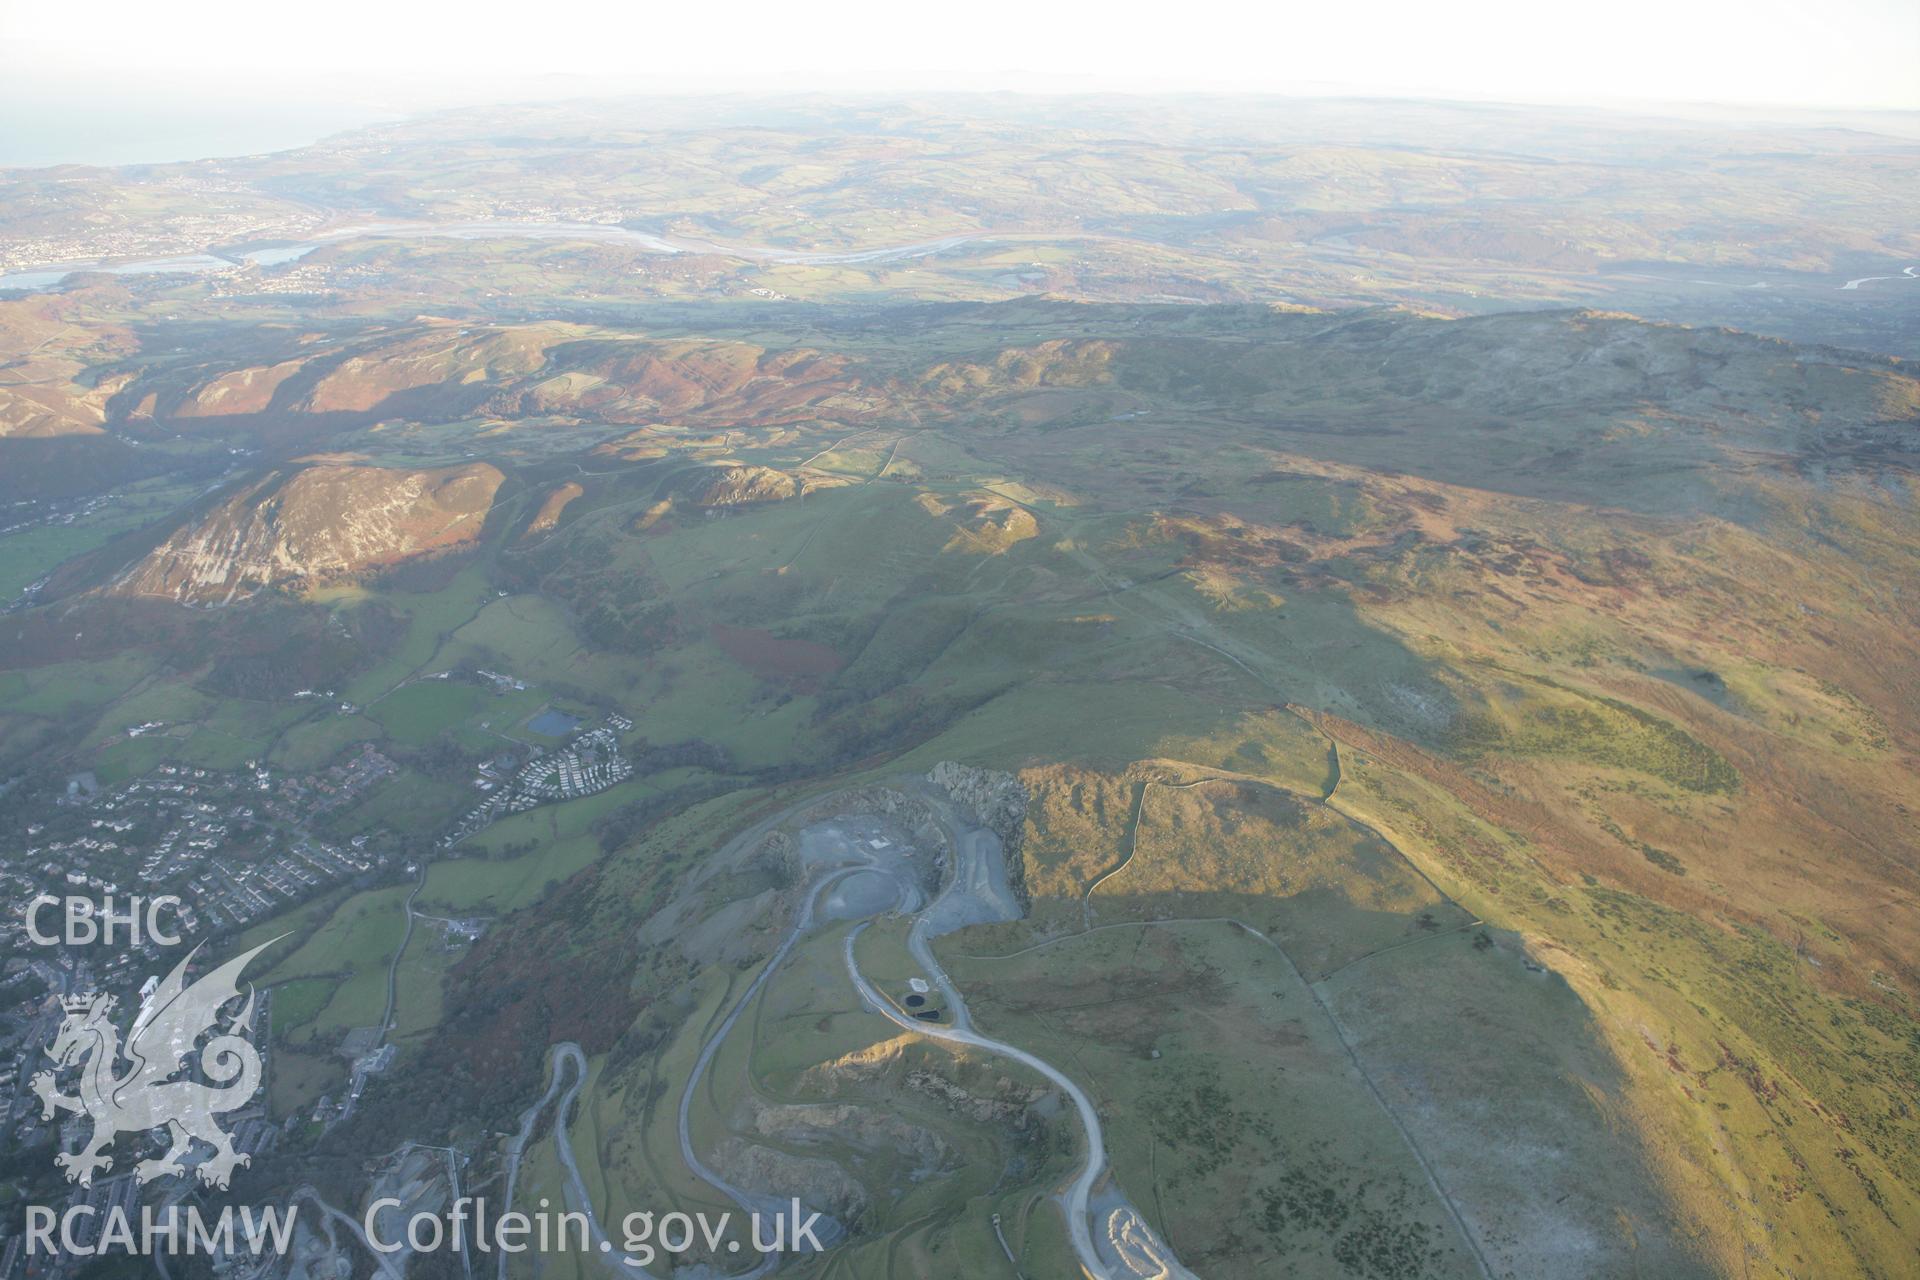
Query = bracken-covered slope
x=440 y=371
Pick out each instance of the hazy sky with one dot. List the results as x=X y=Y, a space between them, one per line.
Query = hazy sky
x=1855 y=53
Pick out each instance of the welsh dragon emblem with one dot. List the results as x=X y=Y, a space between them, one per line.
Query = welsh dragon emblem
x=145 y=1096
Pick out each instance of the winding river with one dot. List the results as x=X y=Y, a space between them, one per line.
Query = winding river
x=214 y=260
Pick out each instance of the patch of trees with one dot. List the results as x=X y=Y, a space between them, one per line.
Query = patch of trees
x=888 y=724
x=1373 y=1223
x=561 y=971
x=626 y=627
x=40 y=780
x=99 y=628
x=443 y=758
x=274 y=651
x=1200 y=1120
x=689 y=753
x=422 y=575
x=613 y=609
x=620 y=827
x=901 y=645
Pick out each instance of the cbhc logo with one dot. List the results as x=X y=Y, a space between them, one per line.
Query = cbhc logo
x=86 y=924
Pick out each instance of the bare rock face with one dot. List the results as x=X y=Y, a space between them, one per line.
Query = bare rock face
x=814 y=1151
x=999 y=800
x=815 y=1181
x=318 y=524
x=996 y=797
x=552 y=508
x=739 y=486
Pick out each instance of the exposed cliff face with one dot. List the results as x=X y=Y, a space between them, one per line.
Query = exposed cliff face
x=550 y=511
x=319 y=523
x=999 y=799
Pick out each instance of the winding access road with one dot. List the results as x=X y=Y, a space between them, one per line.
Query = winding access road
x=803 y=920
x=1080 y=1194
x=567 y=1053
x=969 y=897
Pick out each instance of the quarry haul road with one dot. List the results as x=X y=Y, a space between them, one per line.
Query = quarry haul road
x=383 y=1262
x=564 y=1054
x=567 y=1053
x=1079 y=1195
x=971 y=891
x=745 y=1199
x=1081 y=1191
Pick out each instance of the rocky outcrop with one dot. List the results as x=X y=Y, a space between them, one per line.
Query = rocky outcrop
x=1011 y=1104
x=551 y=509
x=986 y=1097
x=739 y=486
x=816 y=1182
x=318 y=524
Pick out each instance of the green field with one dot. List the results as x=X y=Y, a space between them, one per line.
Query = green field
x=422 y=712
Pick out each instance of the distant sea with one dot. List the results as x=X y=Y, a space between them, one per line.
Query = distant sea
x=41 y=126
